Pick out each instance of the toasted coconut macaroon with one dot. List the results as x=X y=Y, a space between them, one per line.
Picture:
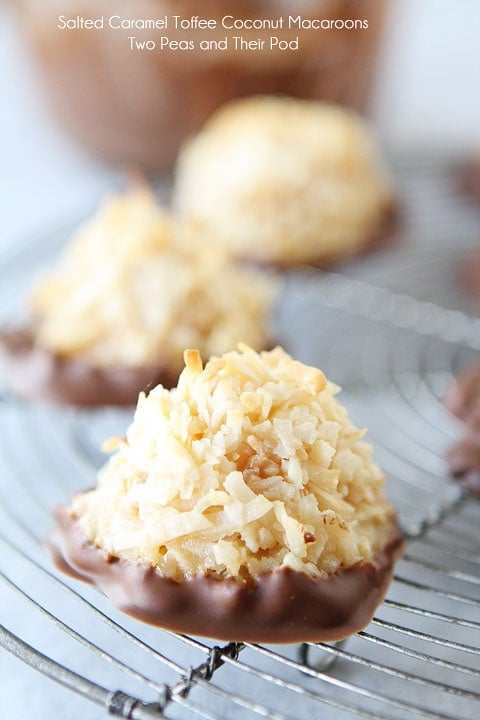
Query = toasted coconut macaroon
x=243 y=505
x=134 y=288
x=463 y=460
x=283 y=181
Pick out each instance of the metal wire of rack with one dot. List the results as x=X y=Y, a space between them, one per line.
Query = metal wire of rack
x=379 y=330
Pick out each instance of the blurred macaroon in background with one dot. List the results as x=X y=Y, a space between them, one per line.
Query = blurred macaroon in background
x=74 y=103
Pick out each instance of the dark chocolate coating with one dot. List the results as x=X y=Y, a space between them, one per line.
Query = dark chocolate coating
x=282 y=606
x=470 y=274
x=470 y=178
x=34 y=373
x=463 y=400
x=464 y=462
x=463 y=397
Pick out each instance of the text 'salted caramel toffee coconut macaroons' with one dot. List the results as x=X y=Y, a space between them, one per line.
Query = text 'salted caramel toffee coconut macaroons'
x=283 y=181
x=243 y=505
x=134 y=288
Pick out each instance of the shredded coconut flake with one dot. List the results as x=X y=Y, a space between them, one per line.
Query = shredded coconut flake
x=215 y=478
x=136 y=286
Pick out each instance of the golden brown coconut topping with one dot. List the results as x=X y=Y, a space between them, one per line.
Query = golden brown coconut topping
x=137 y=286
x=250 y=464
x=284 y=181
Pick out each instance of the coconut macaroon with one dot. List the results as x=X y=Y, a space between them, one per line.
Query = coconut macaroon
x=284 y=181
x=134 y=288
x=242 y=504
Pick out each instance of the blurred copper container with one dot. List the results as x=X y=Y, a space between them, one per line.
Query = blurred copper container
x=137 y=106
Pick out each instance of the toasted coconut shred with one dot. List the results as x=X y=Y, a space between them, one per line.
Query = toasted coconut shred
x=248 y=465
x=136 y=285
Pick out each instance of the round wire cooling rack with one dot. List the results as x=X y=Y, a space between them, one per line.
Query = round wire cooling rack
x=394 y=351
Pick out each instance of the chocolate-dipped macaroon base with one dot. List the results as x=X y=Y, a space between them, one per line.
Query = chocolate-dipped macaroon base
x=282 y=606
x=463 y=400
x=35 y=373
x=464 y=462
x=469 y=178
x=463 y=397
x=469 y=274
